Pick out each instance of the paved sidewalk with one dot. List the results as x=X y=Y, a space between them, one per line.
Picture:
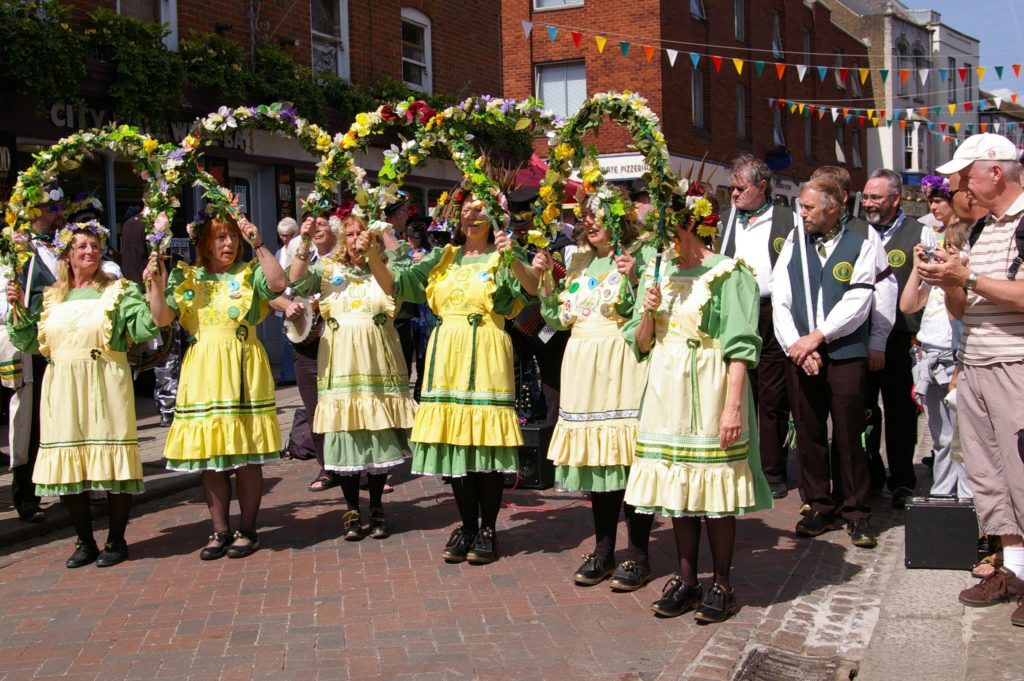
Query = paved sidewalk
x=311 y=606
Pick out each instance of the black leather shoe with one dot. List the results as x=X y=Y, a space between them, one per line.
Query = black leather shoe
x=595 y=569
x=353 y=526
x=31 y=514
x=218 y=551
x=113 y=552
x=484 y=549
x=677 y=598
x=718 y=606
x=457 y=548
x=778 y=489
x=817 y=523
x=862 y=534
x=630 y=576
x=378 y=524
x=243 y=550
x=166 y=420
x=805 y=509
x=85 y=553
x=900 y=496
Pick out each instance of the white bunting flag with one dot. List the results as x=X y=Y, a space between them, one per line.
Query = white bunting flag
x=801 y=69
x=672 y=54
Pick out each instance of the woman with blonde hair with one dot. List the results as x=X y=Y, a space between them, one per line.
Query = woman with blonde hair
x=363 y=406
x=226 y=419
x=88 y=441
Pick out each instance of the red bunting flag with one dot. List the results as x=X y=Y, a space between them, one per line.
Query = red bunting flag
x=881 y=113
x=648 y=53
x=942 y=127
x=963 y=74
x=781 y=104
x=780 y=69
x=861 y=120
x=843 y=72
x=904 y=73
x=1016 y=69
x=576 y=38
x=967 y=106
x=717 y=61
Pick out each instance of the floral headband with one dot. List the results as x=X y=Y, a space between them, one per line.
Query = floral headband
x=690 y=201
x=936 y=187
x=345 y=209
x=63 y=239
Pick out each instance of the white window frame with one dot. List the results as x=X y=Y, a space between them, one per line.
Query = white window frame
x=740 y=20
x=778 y=50
x=697 y=113
x=697 y=10
x=968 y=82
x=778 y=135
x=538 y=68
x=742 y=129
x=168 y=17
x=565 y=4
x=414 y=16
x=910 y=149
x=340 y=41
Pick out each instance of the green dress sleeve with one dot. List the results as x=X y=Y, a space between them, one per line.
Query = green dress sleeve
x=630 y=327
x=133 y=322
x=310 y=281
x=260 y=286
x=25 y=336
x=731 y=316
x=400 y=256
x=411 y=281
x=510 y=291
x=174 y=279
x=550 y=310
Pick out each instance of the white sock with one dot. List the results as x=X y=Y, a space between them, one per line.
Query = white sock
x=1013 y=560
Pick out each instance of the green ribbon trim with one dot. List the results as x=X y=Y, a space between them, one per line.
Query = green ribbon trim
x=379 y=320
x=433 y=354
x=696 y=423
x=474 y=320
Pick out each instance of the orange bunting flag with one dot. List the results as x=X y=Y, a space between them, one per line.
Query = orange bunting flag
x=780 y=69
x=846 y=112
x=924 y=112
x=648 y=53
x=984 y=127
x=738 y=63
x=1016 y=69
x=717 y=61
x=1013 y=97
x=904 y=73
x=600 y=40
x=864 y=75
x=903 y=124
x=576 y=38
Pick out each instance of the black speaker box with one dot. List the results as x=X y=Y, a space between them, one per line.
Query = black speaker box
x=941 y=534
x=535 y=470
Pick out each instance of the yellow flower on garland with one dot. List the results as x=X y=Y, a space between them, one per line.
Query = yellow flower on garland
x=11 y=218
x=349 y=140
x=545 y=193
x=705 y=230
x=701 y=209
x=563 y=151
x=150 y=145
x=190 y=142
x=443 y=199
x=551 y=212
x=323 y=142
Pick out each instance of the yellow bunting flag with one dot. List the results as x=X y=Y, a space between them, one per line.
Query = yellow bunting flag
x=981 y=72
x=600 y=40
x=738 y=63
x=952 y=109
x=864 y=75
x=956 y=127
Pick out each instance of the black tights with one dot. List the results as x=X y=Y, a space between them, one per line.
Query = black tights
x=721 y=536
x=605 y=507
x=80 y=511
x=248 y=486
x=478 y=496
x=375 y=483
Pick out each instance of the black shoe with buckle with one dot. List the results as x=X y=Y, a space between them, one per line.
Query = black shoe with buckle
x=779 y=490
x=378 y=524
x=113 y=552
x=677 y=597
x=85 y=553
x=817 y=523
x=353 y=526
x=222 y=540
x=243 y=550
x=630 y=576
x=485 y=547
x=457 y=548
x=595 y=569
x=718 y=606
x=862 y=534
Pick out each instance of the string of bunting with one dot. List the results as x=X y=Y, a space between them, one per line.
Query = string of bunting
x=842 y=72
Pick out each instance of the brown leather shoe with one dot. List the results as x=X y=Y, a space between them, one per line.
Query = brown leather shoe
x=999 y=587
x=1017 y=618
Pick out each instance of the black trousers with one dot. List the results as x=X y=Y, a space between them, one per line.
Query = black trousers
x=894 y=383
x=23 y=490
x=768 y=380
x=837 y=391
x=304 y=356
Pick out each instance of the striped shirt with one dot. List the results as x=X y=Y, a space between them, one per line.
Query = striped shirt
x=992 y=333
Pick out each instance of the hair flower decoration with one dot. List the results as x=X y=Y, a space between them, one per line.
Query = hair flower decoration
x=63 y=239
x=936 y=187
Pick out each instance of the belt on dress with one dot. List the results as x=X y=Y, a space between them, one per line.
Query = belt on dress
x=694 y=344
x=379 y=320
x=474 y=320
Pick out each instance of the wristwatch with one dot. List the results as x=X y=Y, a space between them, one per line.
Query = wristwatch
x=972 y=280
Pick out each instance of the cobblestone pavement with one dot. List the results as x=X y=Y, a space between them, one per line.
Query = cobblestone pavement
x=308 y=605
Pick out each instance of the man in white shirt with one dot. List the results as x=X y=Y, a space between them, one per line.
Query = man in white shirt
x=755 y=233
x=821 y=297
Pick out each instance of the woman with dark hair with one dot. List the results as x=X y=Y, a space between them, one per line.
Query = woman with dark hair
x=88 y=442
x=226 y=419
x=466 y=425
x=697 y=449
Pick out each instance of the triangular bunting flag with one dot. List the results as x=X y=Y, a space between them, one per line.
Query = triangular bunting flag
x=738 y=63
x=848 y=117
x=997 y=102
x=936 y=111
x=648 y=53
x=942 y=127
x=846 y=112
x=576 y=38
x=970 y=128
x=843 y=72
x=984 y=127
x=807 y=111
x=1016 y=69
x=943 y=74
x=999 y=72
x=759 y=67
x=527 y=27
x=672 y=54
x=695 y=58
x=802 y=108
x=600 y=40
x=822 y=72
x=924 y=112
x=780 y=70
x=811 y=108
x=885 y=75
x=835 y=114
x=552 y=33
x=871 y=113
x=930 y=125
x=903 y=125
x=864 y=75
x=888 y=122
x=956 y=127
x=967 y=106
x=800 y=71
x=881 y=113
x=771 y=102
x=1013 y=97
x=923 y=75
x=952 y=109
x=963 y=74
x=996 y=126
x=792 y=107
x=910 y=114
x=781 y=104
x=717 y=61
x=904 y=73
x=917 y=126
x=624 y=46
x=861 y=120
x=981 y=73
x=821 y=114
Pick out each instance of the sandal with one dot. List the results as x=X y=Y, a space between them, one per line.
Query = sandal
x=987 y=566
x=323 y=482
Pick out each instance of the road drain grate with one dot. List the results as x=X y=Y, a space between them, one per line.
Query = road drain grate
x=769 y=664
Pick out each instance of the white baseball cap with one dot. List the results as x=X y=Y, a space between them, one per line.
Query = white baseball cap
x=983 y=147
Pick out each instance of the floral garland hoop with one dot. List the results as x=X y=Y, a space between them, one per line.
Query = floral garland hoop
x=567 y=150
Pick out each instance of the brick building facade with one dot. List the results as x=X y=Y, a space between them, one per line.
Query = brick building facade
x=733 y=114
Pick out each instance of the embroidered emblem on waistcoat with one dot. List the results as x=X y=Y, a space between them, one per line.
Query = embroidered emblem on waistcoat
x=843 y=271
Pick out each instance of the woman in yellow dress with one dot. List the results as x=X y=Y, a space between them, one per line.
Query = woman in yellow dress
x=466 y=425
x=602 y=383
x=363 y=405
x=87 y=421
x=225 y=418
x=697 y=448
